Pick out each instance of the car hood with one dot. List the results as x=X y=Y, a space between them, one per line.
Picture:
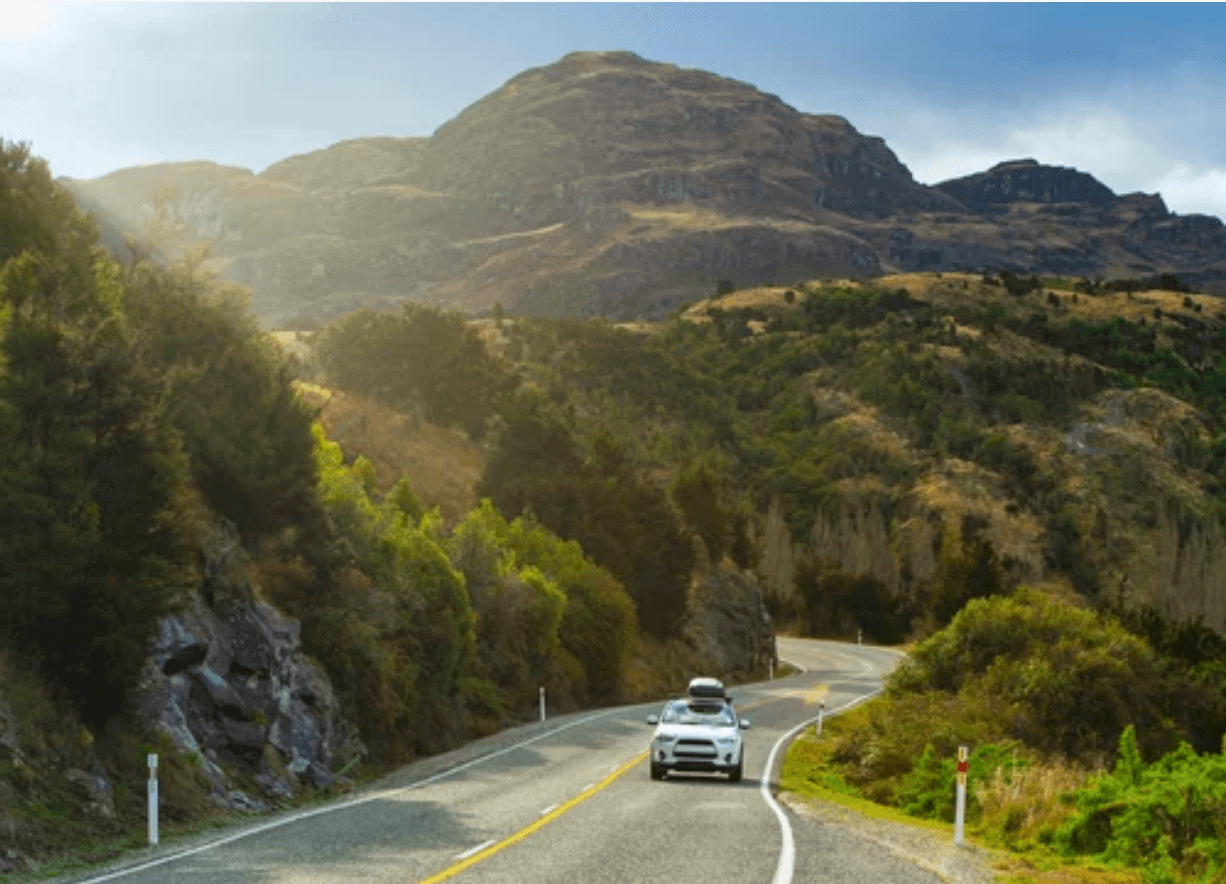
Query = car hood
x=696 y=730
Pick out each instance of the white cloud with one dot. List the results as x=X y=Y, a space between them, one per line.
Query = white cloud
x=24 y=22
x=1195 y=190
x=1126 y=151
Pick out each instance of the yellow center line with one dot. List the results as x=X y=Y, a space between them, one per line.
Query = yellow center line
x=523 y=833
x=811 y=697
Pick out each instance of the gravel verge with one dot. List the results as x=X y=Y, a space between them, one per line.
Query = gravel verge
x=930 y=850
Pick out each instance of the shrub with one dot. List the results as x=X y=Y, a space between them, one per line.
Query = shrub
x=1168 y=817
x=1077 y=678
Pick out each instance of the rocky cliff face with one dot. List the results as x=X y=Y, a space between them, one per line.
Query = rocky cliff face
x=608 y=184
x=227 y=683
x=1026 y=181
x=729 y=626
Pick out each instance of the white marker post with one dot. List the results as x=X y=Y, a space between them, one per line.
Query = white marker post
x=859 y=636
x=960 y=811
x=542 y=703
x=153 y=800
x=821 y=711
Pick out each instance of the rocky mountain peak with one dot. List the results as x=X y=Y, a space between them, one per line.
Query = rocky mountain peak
x=1027 y=180
x=609 y=184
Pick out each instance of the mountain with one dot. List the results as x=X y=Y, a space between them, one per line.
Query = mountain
x=606 y=184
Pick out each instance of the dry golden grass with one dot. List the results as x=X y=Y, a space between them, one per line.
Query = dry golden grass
x=443 y=466
x=1025 y=801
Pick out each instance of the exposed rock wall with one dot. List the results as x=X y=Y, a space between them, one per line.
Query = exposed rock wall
x=227 y=682
x=729 y=626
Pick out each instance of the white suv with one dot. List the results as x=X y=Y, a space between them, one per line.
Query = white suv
x=697 y=733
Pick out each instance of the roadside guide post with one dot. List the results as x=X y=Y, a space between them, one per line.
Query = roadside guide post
x=153 y=800
x=960 y=812
x=821 y=711
x=542 y=702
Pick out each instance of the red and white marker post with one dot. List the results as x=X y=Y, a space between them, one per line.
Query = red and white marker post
x=960 y=811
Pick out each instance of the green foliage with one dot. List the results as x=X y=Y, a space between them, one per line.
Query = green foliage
x=698 y=491
x=421 y=357
x=230 y=395
x=580 y=611
x=837 y=604
x=91 y=554
x=590 y=490
x=401 y=499
x=1077 y=677
x=1018 y=286
x=395 y=628
x=929 y=790
x=39 y=216
x=858 y=307
x=967 y=568
x=1168 y=818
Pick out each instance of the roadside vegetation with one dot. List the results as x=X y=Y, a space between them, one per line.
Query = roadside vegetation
x=1090 y=747
x=139 y=402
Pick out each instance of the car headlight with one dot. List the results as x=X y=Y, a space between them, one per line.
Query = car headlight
x=665 y=738
x=726 y=741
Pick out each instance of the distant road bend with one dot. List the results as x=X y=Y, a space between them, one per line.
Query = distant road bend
x=569 y=801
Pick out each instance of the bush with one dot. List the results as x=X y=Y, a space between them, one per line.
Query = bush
x=1077 y=678
x=1168 y=817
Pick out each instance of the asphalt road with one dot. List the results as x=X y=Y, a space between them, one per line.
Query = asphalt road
x=569 y=800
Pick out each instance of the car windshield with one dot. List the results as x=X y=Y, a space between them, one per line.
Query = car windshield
x=683 y=712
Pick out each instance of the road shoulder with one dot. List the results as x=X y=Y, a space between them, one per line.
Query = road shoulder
x=930 y=850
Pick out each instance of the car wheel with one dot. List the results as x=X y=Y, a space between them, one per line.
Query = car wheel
x=734 y=775
x=658 y=771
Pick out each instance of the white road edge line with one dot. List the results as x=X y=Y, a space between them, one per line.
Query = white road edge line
x=549 y=808
x=383 y=793
x=480 y=847
x=787 y=847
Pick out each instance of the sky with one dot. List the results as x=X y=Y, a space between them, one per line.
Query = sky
x=1132 y=93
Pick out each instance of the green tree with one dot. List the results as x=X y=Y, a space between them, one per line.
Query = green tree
x=699 y=492
x=91 y=554
x=230 y=395
x=394 y=626
x=597 y=624
x=421 y=357
x=590 y=490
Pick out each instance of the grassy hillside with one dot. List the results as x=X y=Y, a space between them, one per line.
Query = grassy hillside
x=912 y=440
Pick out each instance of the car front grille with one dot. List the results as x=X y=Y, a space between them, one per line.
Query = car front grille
x=696 y=749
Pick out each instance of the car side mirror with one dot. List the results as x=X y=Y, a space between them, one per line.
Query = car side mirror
x=653 y=719
x=745 y=724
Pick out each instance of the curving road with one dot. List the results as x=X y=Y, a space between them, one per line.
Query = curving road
x=568 y=801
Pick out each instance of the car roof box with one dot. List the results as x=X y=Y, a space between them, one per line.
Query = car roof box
x=707 y=687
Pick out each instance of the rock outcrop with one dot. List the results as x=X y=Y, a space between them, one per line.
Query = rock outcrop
x=607 y=184
x=227 y=682
x=730 y=627
x=1026 y=181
